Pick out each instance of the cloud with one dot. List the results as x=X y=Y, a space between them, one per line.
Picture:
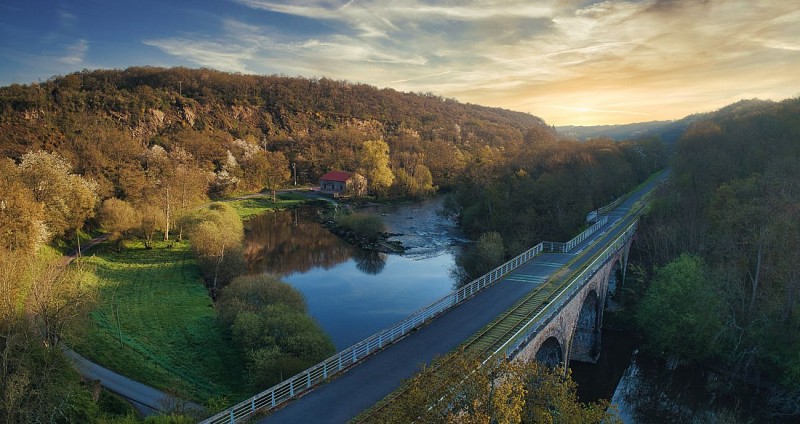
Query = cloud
x=206 y=53
x=568 y=61
x=66 y=19
x=75 y=53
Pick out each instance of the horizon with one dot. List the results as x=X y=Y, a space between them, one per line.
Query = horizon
x=580 y=63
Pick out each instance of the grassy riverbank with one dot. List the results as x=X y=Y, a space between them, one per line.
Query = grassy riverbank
x=155 y=322
x=252 y=206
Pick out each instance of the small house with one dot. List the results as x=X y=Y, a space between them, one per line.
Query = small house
x=341 y=183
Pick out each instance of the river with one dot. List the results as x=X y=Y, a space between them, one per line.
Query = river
x=645 y=389
x=354 y=293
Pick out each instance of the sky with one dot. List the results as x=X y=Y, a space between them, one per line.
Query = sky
x=568 y=62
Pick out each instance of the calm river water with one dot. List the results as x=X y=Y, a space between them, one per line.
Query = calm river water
x=354 y=293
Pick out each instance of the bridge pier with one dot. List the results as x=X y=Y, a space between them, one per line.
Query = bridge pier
x=585 y=345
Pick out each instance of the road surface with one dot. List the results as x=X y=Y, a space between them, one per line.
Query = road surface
x=147 y=400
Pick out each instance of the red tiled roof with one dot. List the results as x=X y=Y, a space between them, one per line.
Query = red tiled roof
x=337 y=176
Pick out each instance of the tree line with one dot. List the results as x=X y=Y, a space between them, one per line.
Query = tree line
x=721 y=244
x=227 y=125
x=513 y=198
x=458 y=389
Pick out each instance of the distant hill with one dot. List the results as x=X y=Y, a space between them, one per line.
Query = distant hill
x=667 y=131
x=616 y=132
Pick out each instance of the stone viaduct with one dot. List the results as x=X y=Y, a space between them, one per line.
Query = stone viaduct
x=573 y=333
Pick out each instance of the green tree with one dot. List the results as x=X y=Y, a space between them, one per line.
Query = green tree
x=486 y=254
x=424 y=180
x=681 y=313
x=268 y=321
x=213 y=233
x=251 y=293
x=374 y=165
x=363 y=225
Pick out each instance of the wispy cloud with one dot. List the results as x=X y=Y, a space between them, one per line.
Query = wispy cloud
x=608 y=61
x=67 y=19
x=420 y=77
x=75 y=53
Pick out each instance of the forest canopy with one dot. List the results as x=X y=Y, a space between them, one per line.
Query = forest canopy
x=726 y=230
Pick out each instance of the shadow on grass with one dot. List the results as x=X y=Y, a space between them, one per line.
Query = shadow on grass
x=155 y=322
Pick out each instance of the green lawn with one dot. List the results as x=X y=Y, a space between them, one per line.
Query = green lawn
x=247 y=208
x=154 y=322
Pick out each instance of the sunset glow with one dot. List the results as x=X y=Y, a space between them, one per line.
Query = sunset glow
x=568 y=62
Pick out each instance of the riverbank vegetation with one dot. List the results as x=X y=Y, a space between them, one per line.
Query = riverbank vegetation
x=363 y=226
x=269 y=324
x=720 y=244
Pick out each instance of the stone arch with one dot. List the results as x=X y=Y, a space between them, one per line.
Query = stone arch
x=550 y=353
x=586 y=336
x=615 y=280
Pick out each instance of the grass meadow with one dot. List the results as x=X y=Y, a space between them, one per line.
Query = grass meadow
x=247 y=208
x=154 y=321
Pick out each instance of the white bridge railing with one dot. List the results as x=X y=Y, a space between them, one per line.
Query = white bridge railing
x=306 y=380
x=541 y=319
x=585 y=234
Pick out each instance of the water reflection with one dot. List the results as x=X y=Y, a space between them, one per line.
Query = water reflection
x=656 y=391
x=290 y=241
x=645 y=389
x=369 y=261
x=354 y=293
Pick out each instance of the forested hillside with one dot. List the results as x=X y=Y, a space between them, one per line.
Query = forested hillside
x=105 y=122
x=509 y=202
x=723 y=242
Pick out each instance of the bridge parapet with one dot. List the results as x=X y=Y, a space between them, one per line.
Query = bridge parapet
x=568 y=246
x=563 y=296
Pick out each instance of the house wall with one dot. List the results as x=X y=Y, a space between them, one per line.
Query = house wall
x=332 y=186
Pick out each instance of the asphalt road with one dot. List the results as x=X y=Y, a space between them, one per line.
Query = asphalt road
x=377 y=376
x=147 y=400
